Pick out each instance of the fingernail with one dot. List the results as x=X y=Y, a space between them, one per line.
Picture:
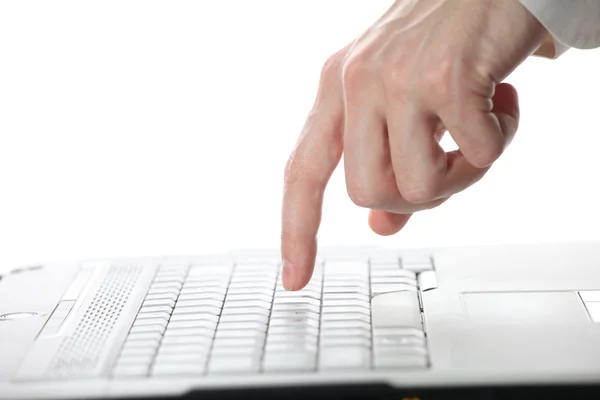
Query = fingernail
x=289 y=275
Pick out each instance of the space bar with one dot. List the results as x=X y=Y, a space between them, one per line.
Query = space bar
x=396 y=310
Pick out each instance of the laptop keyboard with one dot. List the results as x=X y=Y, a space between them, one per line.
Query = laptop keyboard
x=227 y=318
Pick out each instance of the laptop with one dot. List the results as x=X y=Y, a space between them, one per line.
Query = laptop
x=505 y=321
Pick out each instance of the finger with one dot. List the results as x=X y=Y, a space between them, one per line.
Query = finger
x=370 y=176
x=309 y=168
x=425 y=173
x=483 y=127
x=385 y=223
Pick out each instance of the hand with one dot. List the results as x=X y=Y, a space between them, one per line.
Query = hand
x=425 y=67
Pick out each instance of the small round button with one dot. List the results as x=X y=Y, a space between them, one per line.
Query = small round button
x=18 y=315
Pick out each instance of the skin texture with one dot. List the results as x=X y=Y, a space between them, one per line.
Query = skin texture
x=426 y=67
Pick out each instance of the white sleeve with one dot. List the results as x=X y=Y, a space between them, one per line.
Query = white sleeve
x=571 y=23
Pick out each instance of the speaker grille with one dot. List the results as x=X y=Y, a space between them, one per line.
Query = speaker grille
x=79 y=354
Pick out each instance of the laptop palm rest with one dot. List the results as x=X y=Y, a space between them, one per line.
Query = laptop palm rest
x=557 y=307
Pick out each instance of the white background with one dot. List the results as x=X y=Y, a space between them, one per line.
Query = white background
x=153 y=128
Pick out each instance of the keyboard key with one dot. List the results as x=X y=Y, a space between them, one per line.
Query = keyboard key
x=384 y=259
x=356 y=324
x=266 y=305
x=245 y=311
x=256 y=341
x=396 y=309
x=297 y=360
x=138 y=351
x=166 y=285
x=187 y=358
x=397 y=340
x=392 y=331
x=178 y=369
x=298 y=338
x=151 y=321
x=135 y=359
x=207 y=289
x=152 y=315
x=140 y=344
x=244 y=318
x=189 y=332
x=326 y=317
x=183 y=298
x=395 y=273
x=147 y=329
x=295 y=322
x=157 y=309
x=395 y=280
x=158 y=291
x=346 y=297
x=298 y=300
x=251 y=291
x=161 y=296
x=399 y=351
x=347 y=357
x=296 y=307
x=264 y=276
x=357 y=304
x=130 y=371
x=257 y=326
x=332 y=283
x=351 y=332
x=193 y=317
x=248 y=297
x=249 y=279
x=237 y=351
x=187 y=340
x=234 y=364
x=244 y=333
x=417 y=265
x=171 y=278
x=190 y=348
x=140 y=337
x=299 y=294
x=382 y=288
x=184 y=305
x=195 y=310
x=305 y=346
x=214 y=285
x=298 y=329
x=427 y=280
x=346 y=289
x=345 y=341
x=346 y=266
x=344 y=309
x=204 y=323
x=275 y=315
x=251 y=285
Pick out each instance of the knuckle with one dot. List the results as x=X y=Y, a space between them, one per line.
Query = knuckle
x=294 y=172
x=394 y=81
x=438 y=82
x=355 y=71
x=485 y=156
x=418 y=193
x=330 y=67
x=362 y=196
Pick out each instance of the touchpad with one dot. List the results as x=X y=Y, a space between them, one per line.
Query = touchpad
x=525 y=307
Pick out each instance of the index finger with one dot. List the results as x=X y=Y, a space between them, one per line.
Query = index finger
x=309 y=168
x=308 y=171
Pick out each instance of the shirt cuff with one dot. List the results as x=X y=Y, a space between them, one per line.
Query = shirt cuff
x=570 y=23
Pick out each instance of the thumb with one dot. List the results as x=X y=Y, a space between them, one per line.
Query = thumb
x=386 y=223
x=506 y=109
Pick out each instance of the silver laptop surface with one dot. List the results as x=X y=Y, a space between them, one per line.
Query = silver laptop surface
x=372 y=320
